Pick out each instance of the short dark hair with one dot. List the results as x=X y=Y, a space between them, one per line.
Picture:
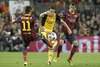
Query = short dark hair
x=51 y=7
x=28 y=9
x=73 y=4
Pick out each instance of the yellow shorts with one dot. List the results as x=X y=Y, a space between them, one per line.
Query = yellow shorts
x=45 y=34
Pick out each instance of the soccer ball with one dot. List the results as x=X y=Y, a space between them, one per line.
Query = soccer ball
x=52 y=36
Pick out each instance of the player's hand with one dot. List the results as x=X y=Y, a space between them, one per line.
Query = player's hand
x=47 y=12
x=60 y=14
x=43 y=30
x=69 y=32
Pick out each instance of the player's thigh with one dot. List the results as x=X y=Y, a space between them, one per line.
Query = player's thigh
x=26 y=44
x=72 y=39
x=27 y=40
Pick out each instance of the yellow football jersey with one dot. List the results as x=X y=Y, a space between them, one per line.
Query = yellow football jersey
x=50 y=22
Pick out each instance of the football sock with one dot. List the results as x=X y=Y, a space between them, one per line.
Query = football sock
x=51 y=50
x=25 y=55
x=72 y=52
x=59 y=50
x=50 y=55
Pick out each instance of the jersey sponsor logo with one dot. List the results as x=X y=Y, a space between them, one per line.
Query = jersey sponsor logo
x=71 y=20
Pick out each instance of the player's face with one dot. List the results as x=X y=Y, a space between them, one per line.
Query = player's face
x=52 y=12
x=73 y=8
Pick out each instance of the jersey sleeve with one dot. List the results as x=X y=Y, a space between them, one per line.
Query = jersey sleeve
x=63 y=12
x=43 y=20
x=58 y=19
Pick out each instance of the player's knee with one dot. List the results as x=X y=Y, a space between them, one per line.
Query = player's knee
x=75 y=43
x=61 y=42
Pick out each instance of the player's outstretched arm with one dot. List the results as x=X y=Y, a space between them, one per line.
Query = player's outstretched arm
x=80 y=25
x=64 y=23
x=38 y=23
x=15 y=19
x=44 y=13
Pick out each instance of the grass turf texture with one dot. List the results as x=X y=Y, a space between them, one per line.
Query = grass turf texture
x=15 y=59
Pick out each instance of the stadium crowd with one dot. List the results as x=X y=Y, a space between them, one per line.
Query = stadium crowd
x=89 y=16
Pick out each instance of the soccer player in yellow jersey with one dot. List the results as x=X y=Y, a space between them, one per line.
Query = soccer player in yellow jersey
x=49 y=18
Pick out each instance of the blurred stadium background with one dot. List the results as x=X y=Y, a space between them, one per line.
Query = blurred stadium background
x=11 y=41
x=89 y=11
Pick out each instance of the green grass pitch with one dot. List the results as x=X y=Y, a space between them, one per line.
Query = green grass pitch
x=39 y=59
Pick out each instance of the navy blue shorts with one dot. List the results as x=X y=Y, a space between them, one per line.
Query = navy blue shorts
x=70 y=38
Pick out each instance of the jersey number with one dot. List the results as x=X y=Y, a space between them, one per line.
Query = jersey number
x=26 y=26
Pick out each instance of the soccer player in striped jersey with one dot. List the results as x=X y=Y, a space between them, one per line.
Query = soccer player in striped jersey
x=28 y=33
x=71 y=18
x=49 y=18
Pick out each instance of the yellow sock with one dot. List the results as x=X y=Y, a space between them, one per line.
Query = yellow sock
x=50 y=55
x=51 y=51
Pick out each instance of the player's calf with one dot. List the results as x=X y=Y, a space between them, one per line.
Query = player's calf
x=60 y=47
x=75 y=45
x=59 y=50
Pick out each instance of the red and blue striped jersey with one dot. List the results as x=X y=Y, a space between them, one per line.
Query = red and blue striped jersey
x=70 y=19
x=27 y=28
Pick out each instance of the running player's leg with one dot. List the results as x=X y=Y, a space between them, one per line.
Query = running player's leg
x=72 y=39
x=62 y=40
x=44 y=38
x=51 y=51
x=60 y=47
x=25 y=53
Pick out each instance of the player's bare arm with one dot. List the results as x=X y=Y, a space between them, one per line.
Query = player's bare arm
x=60 y=14
x=64 y=23
x=80 y=25
x=44 y=13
